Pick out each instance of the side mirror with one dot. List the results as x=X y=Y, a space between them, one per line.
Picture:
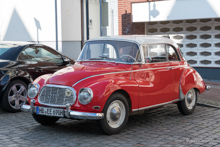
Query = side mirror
x=148 y=60
x=66 y=60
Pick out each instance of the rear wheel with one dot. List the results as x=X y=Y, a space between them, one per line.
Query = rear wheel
x=14 y=96
x=45 y=120
x=188 y=105
x=116 y=115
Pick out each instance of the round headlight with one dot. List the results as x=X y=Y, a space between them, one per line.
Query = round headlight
x=33 y=90
x=85 y=95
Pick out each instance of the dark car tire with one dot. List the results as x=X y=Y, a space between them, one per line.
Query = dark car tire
x=188 y=105
x=12 y=99
x=116 y=113
x=45 y=120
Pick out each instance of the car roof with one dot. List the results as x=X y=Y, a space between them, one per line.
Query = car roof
x=15 y=48
x=14 y=43
x=139 y=39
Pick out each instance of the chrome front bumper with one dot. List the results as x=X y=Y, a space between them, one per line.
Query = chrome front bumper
x=68 y=113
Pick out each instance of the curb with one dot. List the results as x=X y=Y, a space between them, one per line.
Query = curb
x=208 y=105
x=212 y=83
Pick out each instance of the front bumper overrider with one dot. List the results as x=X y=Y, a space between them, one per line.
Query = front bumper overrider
x=67 y=113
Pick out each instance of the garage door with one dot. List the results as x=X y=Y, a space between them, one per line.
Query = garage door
x=198 y=39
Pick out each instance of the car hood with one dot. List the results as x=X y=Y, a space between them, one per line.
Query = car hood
x=70 y=75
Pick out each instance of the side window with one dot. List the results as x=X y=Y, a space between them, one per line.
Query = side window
x=23 y=56
x=40 y=54
x=130 y=51
x=147 y=58
x=172 y=54
x=157 y=53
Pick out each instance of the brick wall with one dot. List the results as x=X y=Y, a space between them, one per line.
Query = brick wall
x=125 y=26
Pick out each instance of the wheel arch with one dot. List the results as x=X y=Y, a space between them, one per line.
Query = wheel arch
x=196 y=90
x=123 y=92
x=25 y=80
x=190 y=78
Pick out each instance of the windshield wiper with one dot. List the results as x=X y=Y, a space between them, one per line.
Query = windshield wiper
x=105 y=57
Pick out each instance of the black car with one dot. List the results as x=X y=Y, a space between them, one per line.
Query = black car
x=20 y=64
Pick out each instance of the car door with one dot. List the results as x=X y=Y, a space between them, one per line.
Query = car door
x=41 y=60
x=177 y=68
x=154 y=77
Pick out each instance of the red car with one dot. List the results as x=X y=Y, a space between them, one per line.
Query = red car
x=113 y=78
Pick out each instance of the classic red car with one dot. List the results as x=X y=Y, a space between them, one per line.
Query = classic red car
x=115 y=77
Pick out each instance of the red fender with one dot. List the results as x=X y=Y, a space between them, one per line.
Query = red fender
x=191 y=79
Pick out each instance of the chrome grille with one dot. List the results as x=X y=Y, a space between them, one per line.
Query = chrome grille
x=57 y=95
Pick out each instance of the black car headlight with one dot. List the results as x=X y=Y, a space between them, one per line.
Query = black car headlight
x=33 y=90
x=85 y=96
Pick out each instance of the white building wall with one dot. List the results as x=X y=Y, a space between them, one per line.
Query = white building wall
x=70 y=26
x=94 y=19
x=22 y=21
x=112 y=29
x=175 y=10
x=34 y=20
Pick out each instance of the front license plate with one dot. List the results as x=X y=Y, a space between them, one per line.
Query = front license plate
x=50 y=111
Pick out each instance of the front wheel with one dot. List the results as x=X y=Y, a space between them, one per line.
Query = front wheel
x=45 y=120
x=116 y=113
x=14 y=96
x=188 y=105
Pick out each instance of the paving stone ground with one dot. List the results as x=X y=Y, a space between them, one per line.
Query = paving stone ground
x=164 y=126
x=211 y=97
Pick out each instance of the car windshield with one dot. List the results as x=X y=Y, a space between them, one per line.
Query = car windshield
x=118 y=51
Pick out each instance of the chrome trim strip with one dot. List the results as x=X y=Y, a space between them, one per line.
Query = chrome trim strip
x=119 y=72
x=110 y=61
x=133 y=110
x=152 y=106
x=98 y=75
x=58 y=86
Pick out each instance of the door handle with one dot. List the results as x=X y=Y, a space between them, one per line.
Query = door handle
x=169 y=68
x=38 y=69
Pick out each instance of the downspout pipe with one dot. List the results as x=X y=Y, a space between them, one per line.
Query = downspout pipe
x=100 y=3
x=56 y=28
x=82 y=23
x=87 y=19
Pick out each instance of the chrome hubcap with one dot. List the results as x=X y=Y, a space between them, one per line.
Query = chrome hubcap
x=17 y=96
x=190 y=99
x=115 y=114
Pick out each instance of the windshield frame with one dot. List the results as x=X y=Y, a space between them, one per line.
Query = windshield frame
x=108 y=60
